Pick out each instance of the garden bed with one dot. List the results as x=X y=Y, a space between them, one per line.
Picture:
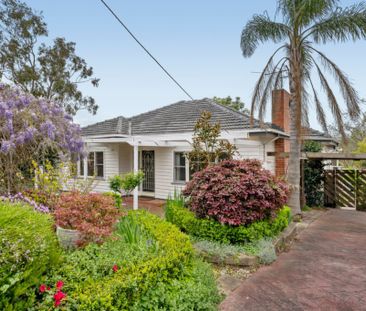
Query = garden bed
x=146 y=263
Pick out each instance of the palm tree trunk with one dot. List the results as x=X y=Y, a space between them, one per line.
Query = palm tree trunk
x=294 y=174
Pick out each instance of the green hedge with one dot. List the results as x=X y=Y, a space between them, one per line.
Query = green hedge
x=137 y=280
x=208 y=229
x=28 y=249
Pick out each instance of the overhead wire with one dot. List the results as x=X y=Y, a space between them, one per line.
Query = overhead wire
x=145 y=49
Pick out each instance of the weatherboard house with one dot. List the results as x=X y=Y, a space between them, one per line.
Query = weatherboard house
x=156 y=142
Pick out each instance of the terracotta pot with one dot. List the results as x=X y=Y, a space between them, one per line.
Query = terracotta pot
x=67 y=238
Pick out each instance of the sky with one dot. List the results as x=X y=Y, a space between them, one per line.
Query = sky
x=197 y=41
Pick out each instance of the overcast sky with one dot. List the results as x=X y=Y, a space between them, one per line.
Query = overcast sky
x=197 y=41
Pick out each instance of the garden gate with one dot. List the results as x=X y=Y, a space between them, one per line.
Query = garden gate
x=345 y=188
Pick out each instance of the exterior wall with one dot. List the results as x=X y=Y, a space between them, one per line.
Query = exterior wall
x=118 y=159
x=111 y=164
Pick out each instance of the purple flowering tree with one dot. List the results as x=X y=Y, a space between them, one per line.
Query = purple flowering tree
x=29 y=127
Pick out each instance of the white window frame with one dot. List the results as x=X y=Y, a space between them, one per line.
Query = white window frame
x=186 y=166
x=85 y=162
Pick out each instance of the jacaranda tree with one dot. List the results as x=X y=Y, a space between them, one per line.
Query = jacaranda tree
x=305 y=23
x=30 y=129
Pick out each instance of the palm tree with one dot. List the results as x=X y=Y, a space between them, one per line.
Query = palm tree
x=305 y=23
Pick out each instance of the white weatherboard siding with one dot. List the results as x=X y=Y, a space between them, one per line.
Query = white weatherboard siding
x=118 y=159
x=111 y=164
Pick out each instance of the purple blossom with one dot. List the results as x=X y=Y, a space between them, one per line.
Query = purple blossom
x=49 y=129
x=6 y=146
x=29 y=134
x=19 y=197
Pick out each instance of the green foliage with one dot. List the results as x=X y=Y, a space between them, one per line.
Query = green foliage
x=130 y=231
x=266 y=251
x=313 y=176
x=116 y=196
x=126 y=183
x=212 y=230
x=52 y=72
x=147 y=277
x=194 y=290
x=28 y=249
x=206 y=147
x=236 y=104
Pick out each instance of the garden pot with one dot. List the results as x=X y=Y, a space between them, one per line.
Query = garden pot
x=67 y=238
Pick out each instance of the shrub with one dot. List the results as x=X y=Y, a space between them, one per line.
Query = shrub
x=126 y=183
x=194 y=290
x=28 y=249
x=94 y=214
x=236 y=193
x=210 y=229
x=119 y=275
x=313 y=176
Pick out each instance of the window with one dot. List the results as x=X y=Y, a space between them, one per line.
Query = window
x=179 y=167
x=95 y=165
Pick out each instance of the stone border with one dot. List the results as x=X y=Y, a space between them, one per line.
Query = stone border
x=241 y=260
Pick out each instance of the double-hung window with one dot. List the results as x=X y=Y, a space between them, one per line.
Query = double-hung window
x=95 y=164
x=179 y=167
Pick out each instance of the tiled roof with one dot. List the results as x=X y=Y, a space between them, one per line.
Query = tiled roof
x=312 y=134
x=174 y=118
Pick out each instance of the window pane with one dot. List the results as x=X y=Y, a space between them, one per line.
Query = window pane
x=91 y=164
x=180 y=174
x=81 y=167
x=99 y=158
x=100 y=171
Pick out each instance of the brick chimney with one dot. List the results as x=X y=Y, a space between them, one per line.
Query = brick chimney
x=281 y=118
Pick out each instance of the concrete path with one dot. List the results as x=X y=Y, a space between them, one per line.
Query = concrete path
x=324 y=270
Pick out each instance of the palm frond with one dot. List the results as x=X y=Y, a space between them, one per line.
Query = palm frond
x=350 y=95
x=257 y=93
x=319 y=109
x=341 y=25
x=302 y=12
x=333 y=104
x=259 y=30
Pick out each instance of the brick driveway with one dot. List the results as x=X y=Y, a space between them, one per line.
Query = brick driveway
x=324 y=270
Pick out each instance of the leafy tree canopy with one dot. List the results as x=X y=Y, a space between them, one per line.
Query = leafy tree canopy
x=236 y=104
x=54 y=71
x=207 y=146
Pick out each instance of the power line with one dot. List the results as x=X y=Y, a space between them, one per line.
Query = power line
x=145 y=49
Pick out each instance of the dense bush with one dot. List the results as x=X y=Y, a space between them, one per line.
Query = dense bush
x=28 y=249
x=92 y=214
x=236 y=193
x=156 y=271
x=210 y=229
x=313 y=176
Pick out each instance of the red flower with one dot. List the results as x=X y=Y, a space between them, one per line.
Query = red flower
x=42 y=288
x=58 y=297
x=59 y=284
x=115 y=268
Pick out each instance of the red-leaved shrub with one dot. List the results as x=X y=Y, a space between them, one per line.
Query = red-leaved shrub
x=236 y=192
x=94 y=214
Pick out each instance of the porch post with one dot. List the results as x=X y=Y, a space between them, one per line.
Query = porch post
x=135 y=169
x=85 y=163
x=85 y=166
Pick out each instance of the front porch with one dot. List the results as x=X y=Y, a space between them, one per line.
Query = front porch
x=154 y=206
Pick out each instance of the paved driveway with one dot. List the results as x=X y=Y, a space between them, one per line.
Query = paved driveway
x=324 y=270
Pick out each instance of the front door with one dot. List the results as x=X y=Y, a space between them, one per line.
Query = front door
x=148 y=167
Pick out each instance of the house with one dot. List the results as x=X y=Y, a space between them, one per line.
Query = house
x=156 y=142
